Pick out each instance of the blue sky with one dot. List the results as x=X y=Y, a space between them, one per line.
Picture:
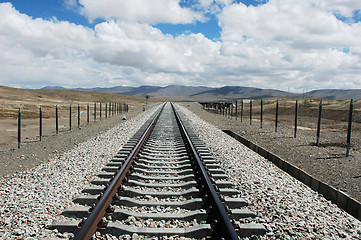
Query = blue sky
x=281 y=44
x=57 y=8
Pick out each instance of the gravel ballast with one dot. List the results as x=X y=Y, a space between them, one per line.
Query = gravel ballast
x=288 y=208
x=31 y=200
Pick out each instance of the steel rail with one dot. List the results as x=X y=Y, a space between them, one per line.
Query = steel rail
x=91 y=223
x=221 y=215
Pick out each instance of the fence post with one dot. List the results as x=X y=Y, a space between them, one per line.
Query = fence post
x=78 y=115
x=19 y=128
x=40 y=123
x=56 y=119
x=106 y=110
x=276 y=120
x=250 y=112
x=319 y=124
x=100 y=111
x=231 y=110
x=95 y=111
x=261 y=113
x=349 y=129
x=296 y=119
x=70 y=117
x=87 y=113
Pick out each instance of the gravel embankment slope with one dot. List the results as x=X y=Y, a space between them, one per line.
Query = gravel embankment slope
x=288 y=208
x=326 y=163
x=30 y=200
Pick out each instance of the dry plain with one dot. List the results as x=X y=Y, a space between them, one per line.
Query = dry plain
x=326 y=162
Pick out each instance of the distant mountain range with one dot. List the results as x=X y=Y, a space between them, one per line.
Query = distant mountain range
x=223 y=93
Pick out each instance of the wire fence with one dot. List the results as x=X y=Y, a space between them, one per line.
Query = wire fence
x=52 y=120
x=306 y=114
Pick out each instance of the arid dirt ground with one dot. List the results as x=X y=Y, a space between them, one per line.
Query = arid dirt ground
x=11 y=99
x=326 y=162
x=33 y=151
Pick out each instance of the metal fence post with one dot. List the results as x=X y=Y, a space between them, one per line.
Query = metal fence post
x=87 y=113
x=296 y=119
x=276 y=120
x=40 y=123
x=70 y=117
x=349 y=129
x=319 y=124
x=106 y=110
x=56 y=119
x=261 y=113
x=19 y=128
x=78 y=115
x=250 y=112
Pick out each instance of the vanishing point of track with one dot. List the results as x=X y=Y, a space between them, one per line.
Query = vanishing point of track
x=163 y=182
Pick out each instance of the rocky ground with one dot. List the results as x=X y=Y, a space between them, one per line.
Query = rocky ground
x=53 y=172
x=326 y=162
x=31 y=197
x=288 y=208
x=34 y=152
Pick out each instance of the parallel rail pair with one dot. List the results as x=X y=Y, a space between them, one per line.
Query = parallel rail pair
x=212 y=194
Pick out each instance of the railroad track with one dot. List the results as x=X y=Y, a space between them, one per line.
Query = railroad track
x=163 y=182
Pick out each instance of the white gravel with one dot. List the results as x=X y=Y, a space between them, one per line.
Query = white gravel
x=288 y=208
x=31 y=200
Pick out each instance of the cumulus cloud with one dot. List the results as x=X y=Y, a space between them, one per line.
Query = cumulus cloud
x=300 y=42
x=155 y=11
x=143 y=46
x=46 y=46
x=280 y=44
x=346 y=8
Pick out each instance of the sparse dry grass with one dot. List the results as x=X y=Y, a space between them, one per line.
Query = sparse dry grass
x=335 y=113
x=11 y=99
x=29 y=101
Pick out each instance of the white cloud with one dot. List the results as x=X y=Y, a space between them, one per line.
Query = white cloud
x=155 y=11
x=212 y=6
x=68 y=54
x=145 y=47
x=294 y=43
x=344 y=7
x=281 y=44
x=70 y=4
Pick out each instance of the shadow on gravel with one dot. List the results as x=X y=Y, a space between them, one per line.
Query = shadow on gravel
x=325 y=145
x=333 y=156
